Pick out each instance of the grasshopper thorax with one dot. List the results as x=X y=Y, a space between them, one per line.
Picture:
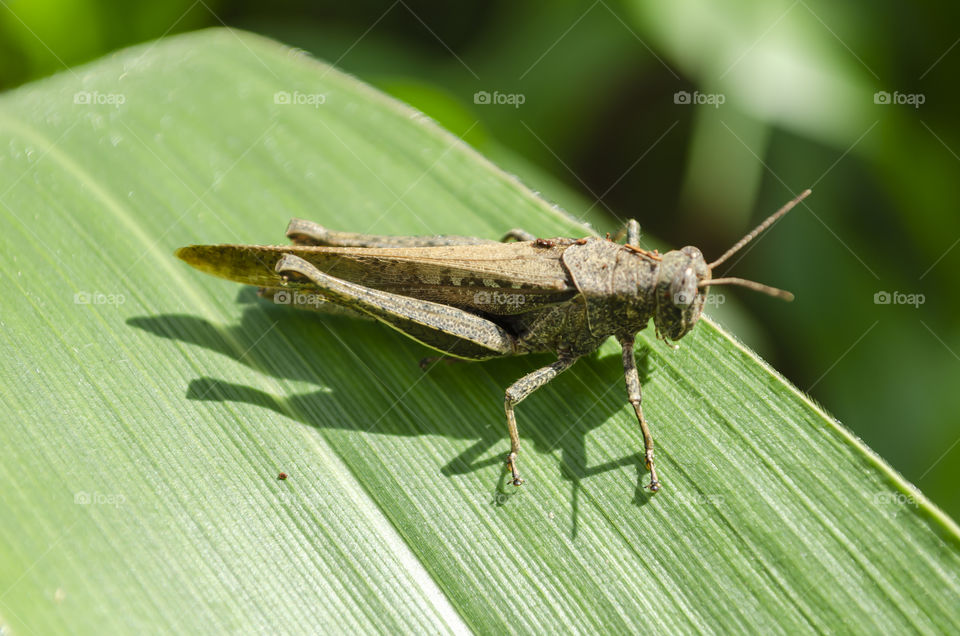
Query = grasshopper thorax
x=680 y=292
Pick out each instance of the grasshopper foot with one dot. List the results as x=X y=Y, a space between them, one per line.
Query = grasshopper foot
x=654 y=482
x=512 y=467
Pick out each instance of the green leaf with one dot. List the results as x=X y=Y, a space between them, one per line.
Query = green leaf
x=148 y=409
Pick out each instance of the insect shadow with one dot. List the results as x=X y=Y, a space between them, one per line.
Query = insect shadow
x=590 y=393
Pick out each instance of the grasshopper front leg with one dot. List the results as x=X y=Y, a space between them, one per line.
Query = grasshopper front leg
x=635 y=397
x=515 y=394
x=632 y=230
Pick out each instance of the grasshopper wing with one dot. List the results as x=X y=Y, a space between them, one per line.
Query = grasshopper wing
x=495 y=279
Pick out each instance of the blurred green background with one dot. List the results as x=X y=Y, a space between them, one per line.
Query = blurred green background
x=698 y=118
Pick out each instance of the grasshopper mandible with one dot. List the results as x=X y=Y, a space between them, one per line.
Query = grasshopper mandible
x=475 y=299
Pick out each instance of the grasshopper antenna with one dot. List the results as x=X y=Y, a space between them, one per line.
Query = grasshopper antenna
x=749 y=284
x=756 y=231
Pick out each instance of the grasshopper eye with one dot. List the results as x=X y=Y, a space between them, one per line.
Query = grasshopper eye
x=683 y=289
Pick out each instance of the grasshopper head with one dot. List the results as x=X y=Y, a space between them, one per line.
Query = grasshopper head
x=680 y=292
x=685 y=277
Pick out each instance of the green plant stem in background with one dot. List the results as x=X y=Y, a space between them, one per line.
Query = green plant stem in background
x=148 y=409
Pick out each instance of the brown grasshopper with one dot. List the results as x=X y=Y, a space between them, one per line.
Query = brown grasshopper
x=475 y=299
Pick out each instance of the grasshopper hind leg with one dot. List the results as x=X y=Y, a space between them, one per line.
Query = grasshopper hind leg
x=303 y=232
x=516 y=234
x=447 y=329
x=515 y=394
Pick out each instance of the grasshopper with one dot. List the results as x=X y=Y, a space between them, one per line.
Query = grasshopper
x=475 y=299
